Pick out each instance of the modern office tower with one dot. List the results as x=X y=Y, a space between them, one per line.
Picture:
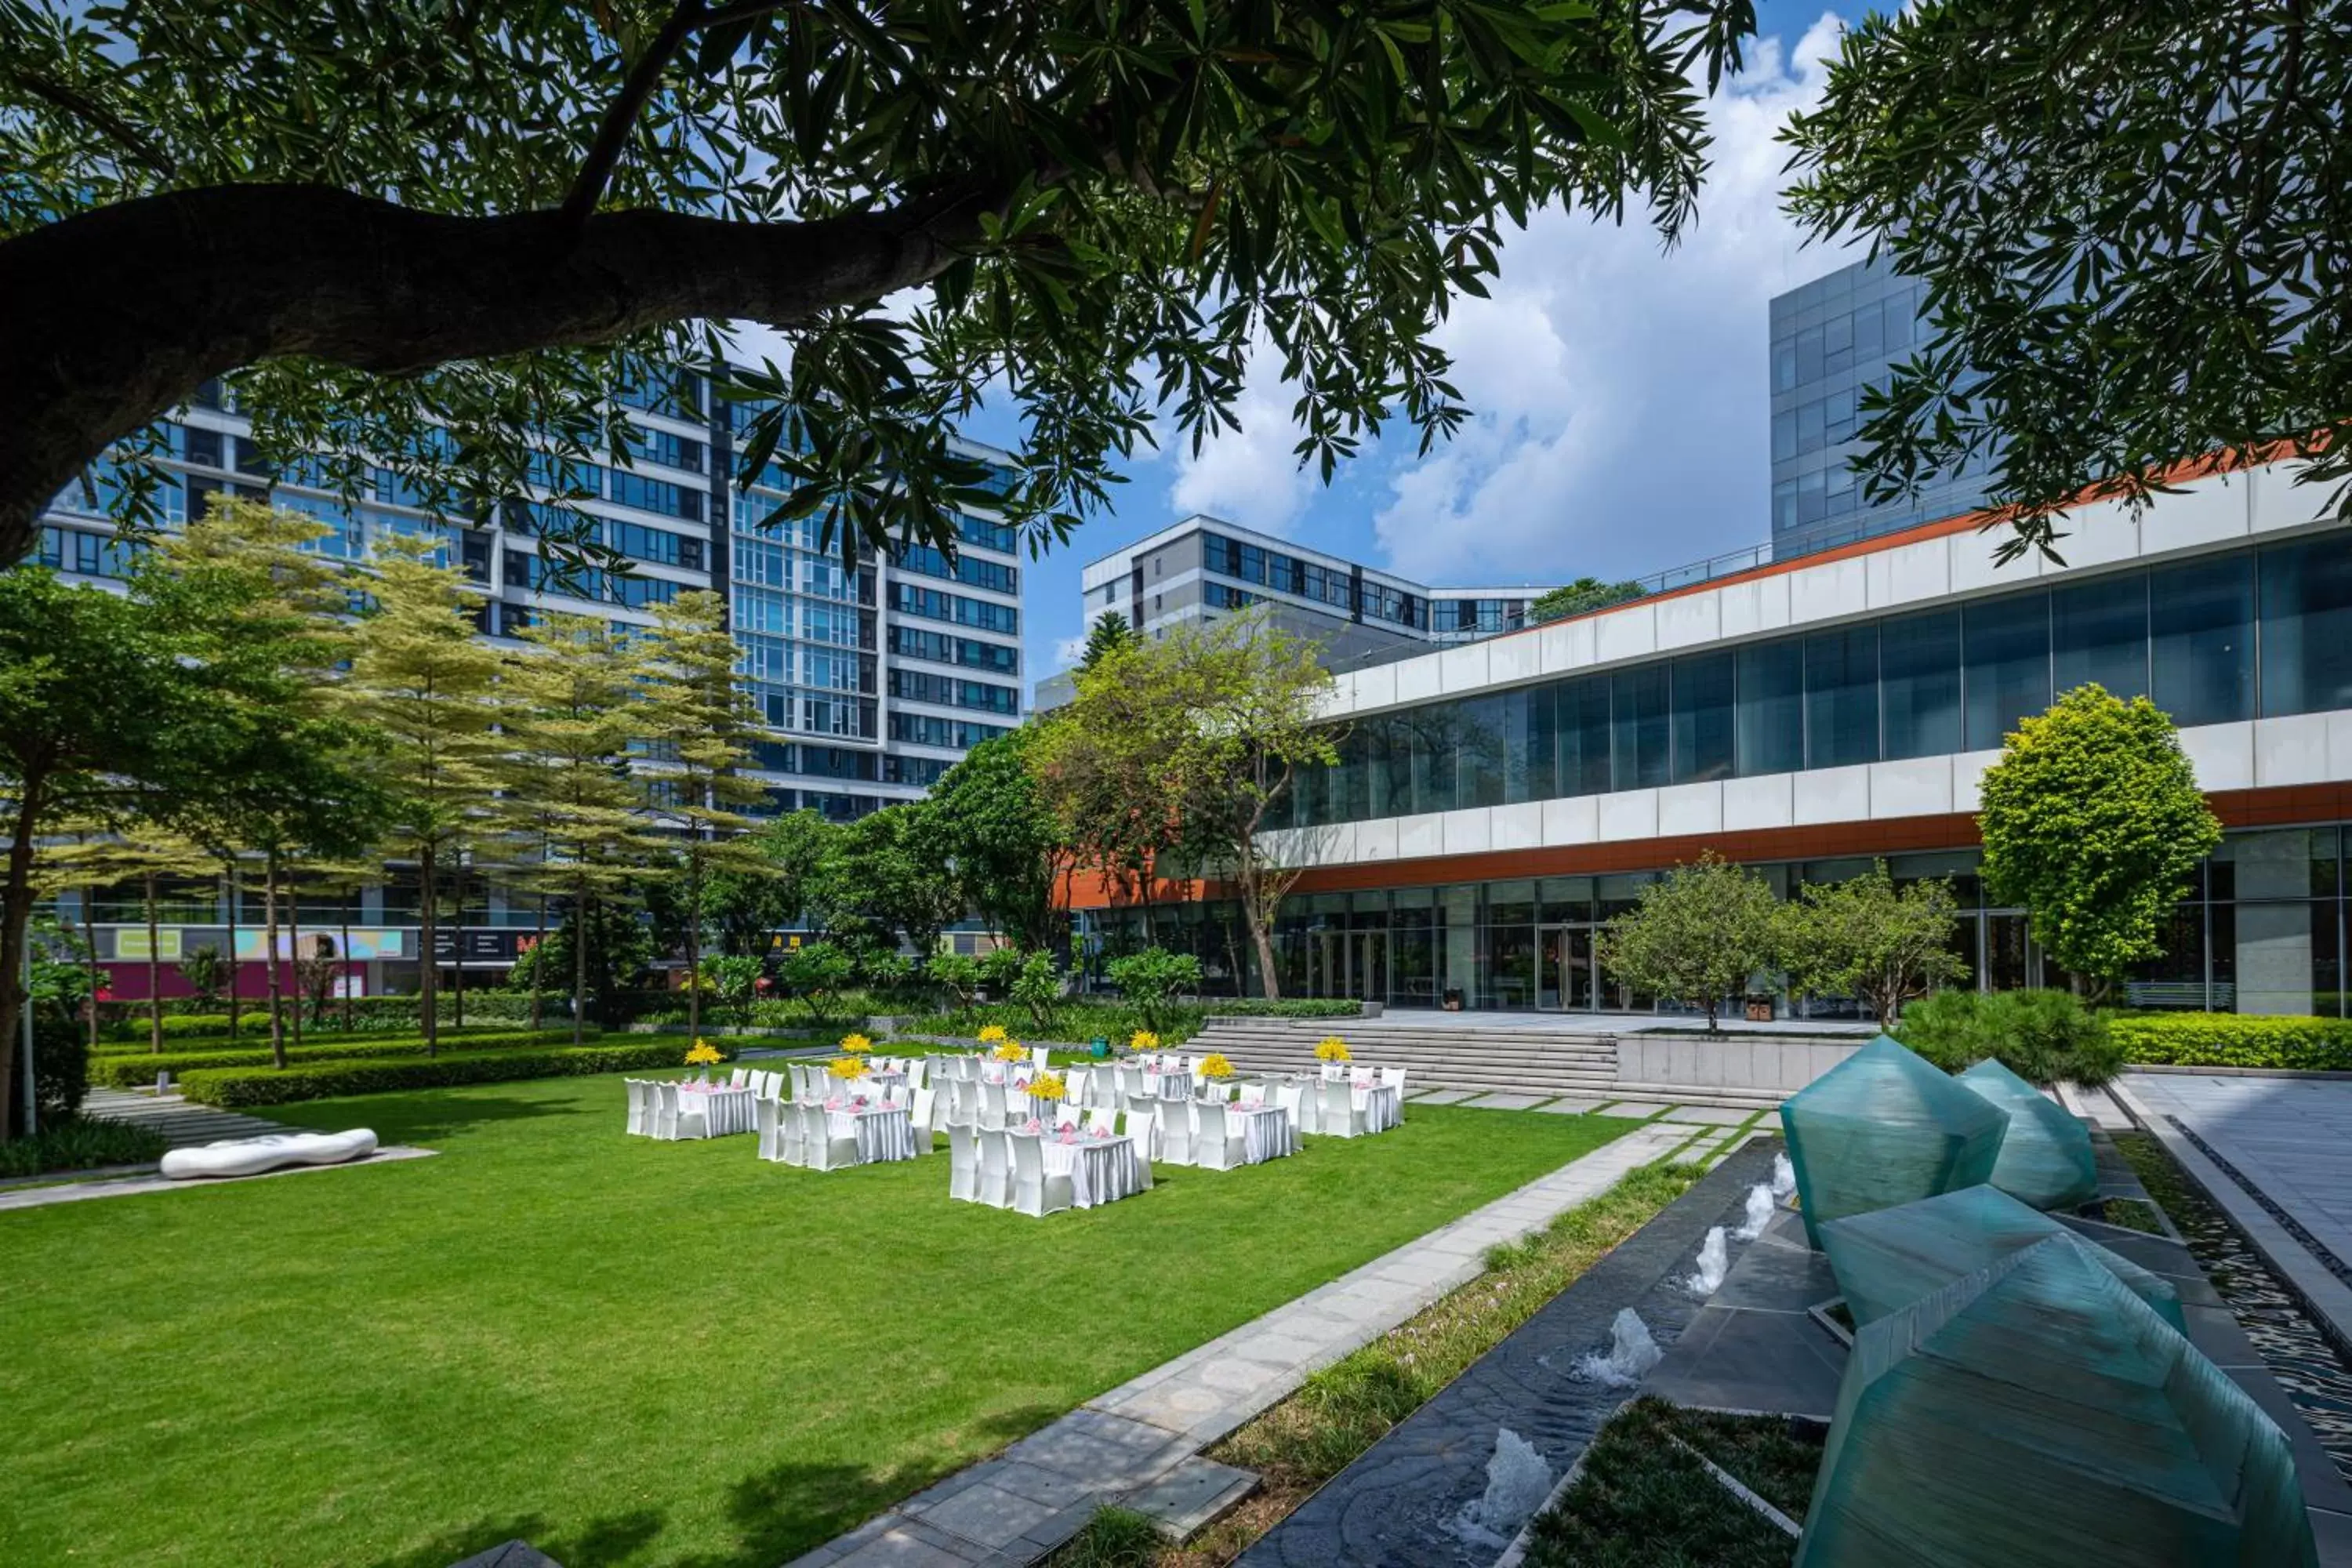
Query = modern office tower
x=1829 y=339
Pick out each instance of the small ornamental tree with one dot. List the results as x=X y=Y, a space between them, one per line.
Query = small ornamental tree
x=2093 y=824
x=1696 y=935
x=1866 y=938
x=1151 y=978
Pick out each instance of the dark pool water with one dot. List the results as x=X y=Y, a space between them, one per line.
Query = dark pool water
x=2303 y=1360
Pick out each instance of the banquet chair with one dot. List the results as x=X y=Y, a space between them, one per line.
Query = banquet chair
x=1098 y=1117
x=1393 y=1077
x=996 y=1168
x=678 y=1120
x=663 y=1110
x=963 y=1104
x=825 y=1152
x=791 y=1133
x=738 y=1077
x=1175 y=1129
x=1074 y=1085
x=799 y=1076
x=1292 y=1100
x=1127 y=1081
x=638 y=1116
x=1341 y=1117
x=991 y=1109
x=926 y=1102
x=1037 y=1054
x=1034 y=1192
x=1144 y=1126
x=1216 y=1146
x=1311 y=1106
x=963 y=1164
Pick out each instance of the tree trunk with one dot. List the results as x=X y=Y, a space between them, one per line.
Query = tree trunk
x=275 y=990
x=349 y=976
x=538 y=975
x=294 y=950
x=427 y=965
x=232 y=950
x=458 y=956
x=15 y=919
x=90 y=959
x=693 y=945
x=154 y=975
x=579 y=959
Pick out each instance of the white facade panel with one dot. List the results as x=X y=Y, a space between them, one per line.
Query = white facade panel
x=1916 y=786
x=1416 y=679
x=1909 y=573
x=2103 y=534
x=2206 y=512
x=1574 y=820
x=1464 y=669
x=2222 y=755
x=1968 y=777
x=1768 y=800
x=1686 y=809
x=1973 y=566
x=1690 y=619
x=1421 y=836
x=1376 y=687
x=1470 y=832
x=1513 y=660
x=1629 y=633
x=1628 y=814
x=1565 y=647
x=1376 y=840
x=1829 y=591
x=2290 y=750
x=1515 y=827
x=1834 y=795
x=2274 y=501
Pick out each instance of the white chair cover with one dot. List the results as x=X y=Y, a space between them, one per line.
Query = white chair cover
x=926 y=1102
x=791 y=1133
x=763 y=1116
x=1291 y=1097
x=1341 y=1117
x=1174 y=1119
x=1216 y=1146
x=992 y=1107
x=1144 y=1126
x=736 y=1078
x=1034 y=1192
x=636 y=1090
x=1037 y=1054
x=996 y=1168
x=963 y=1164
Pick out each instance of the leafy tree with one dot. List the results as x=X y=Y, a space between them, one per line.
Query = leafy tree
x=1006 y=848
x=421 y=682
x=1038 y=987
x=1696 y=935
x=959 y=974
x=697 y=721
x=92 y=692
x=2093 y=825
x=316 y=967
x=2128 y=218
x=1866 y=938
x=1101 y=206
x=568 y=804
x=1110 y=633
x=617 y=954
x=139 y=852
x=205 y=971
x=1584 y=594
x=795 y=849
x=999 y=967
x=735 y=981
x=1151 y=978
x=817 y=971
x=890 y=867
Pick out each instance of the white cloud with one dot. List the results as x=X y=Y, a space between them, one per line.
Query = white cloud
x=1068 y=651
x=1620 y=394
x=1249 y=476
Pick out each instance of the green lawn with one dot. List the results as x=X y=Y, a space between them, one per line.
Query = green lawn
x=629 y=1352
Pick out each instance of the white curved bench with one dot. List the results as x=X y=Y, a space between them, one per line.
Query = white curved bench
x=251 y=1156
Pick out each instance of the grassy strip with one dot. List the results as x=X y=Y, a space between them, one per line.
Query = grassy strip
x=131 y=1072
x=83 y=1143
x=1644 y=1501
x=236 y=1086
x=1352 y=1403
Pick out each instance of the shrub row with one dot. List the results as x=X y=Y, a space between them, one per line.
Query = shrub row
x=80 y=1144
x=130 y=1071
x=256 y=1027
x=2233 y=1040
x=1285 y=1008
x=2044 y=1036
x=368 y=1014
x=233 y=1087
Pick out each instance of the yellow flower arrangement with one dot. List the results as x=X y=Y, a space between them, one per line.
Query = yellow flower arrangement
x=1142 y=1040
x=849 y=1067
x=856 y=1044
x=704 y=1054
x=1214 y=1064
x=993 y=1035
x=1010 y=1051
x=1332 y=1049
x=1048 y=1086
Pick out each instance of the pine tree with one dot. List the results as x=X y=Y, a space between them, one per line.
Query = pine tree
x=696 y=722
x=421 y=682
x=566 y=811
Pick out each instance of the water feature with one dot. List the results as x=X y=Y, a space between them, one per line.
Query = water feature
x=1517 y=1481
x=1632 y=1353
x=1713 y=1263
x=1760 y=1212
x=1784 y=1177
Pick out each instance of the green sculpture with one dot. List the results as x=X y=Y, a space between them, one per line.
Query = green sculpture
x=2046 y=1158
x=1887 y=1259
x=2037 y=1415
x=1885 y=1127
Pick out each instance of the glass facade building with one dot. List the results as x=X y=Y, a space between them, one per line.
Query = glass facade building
x=1830 y=339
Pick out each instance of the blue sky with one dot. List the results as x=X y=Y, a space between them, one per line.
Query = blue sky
x=1620 y=409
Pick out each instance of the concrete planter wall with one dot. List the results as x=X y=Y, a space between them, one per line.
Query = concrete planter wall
x=1757 y=1062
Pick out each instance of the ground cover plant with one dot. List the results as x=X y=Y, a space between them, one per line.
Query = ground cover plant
x=79 y=1143
x=630 y=1352
x=333 y=1078
x=2232 y=1039
x=1116 y=1021
x=132 y=1070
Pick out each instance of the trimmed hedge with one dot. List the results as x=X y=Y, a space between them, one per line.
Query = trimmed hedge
x=1285 y=1008
x=370 y=1015
x=130 y=1072
x=2044 y=1036
x=237 y=1086
x=255 y=1035
x=2233 y=1040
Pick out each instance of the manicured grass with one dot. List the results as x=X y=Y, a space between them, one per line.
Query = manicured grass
x=628 y=1351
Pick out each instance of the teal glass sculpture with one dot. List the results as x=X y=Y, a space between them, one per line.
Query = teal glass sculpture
x=1884 y=1127
x=2037 y=1415
x=1889 y=1258
x=2045 y=1158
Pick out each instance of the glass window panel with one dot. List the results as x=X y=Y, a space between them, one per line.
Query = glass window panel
x=1784 y=365
x=1809 y=355
x=1771 y=722
x=1812 y=421
x=1919 y=684
x=2203 y=647
x=1784 y=435
x=1702 y=718
x=1616 y=895
x=1481 y=753
x=1538 y=744
x=2007 y=645
x=2098 y=633
x=1431 y=732
x=1565 y=898
x=1869 y=334
x=1581 y=710
x=1842 y=697
x=1638 y=702
x=2306 y=642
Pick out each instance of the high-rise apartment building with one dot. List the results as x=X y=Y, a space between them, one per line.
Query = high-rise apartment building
x=1831 y=339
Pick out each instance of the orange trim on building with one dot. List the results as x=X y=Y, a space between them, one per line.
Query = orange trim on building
x=2292 y=806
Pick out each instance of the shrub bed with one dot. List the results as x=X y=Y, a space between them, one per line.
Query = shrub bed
x=2044 y=1036
x=1115 y=1020
x=2233 y=1040
x=237 y=1086
x=82 y=1143
x=130 y=1071
x=255 y=1036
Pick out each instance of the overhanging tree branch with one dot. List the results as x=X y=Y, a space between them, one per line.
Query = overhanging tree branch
x=83 y=106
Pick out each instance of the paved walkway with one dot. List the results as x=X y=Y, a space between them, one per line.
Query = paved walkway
x=183 y=1123
x=1139 y=1444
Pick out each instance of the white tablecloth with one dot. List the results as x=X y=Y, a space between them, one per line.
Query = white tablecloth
x=1382 y=1105
x=1101 y=1170
x=884 y=1133
x=724 y=1110
x=1264 y=1131
x=1168 y=1084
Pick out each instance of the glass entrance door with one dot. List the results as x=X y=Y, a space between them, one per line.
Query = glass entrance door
x=1566 y=980
x=1368 y=980
x=1348 y=965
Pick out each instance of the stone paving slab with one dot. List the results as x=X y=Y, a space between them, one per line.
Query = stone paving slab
x=72 y=1191
x=1712 y=1115
x=1571 y=1106
x=1438 y=1097
x=1141 y=1439
x=1192 y=1495
x=1505 y=1103
x=1638 y=1110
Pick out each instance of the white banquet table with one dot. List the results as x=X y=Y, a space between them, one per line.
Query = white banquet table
x=1101 y=1170
x=1168 y=1084
x=724 y=1110
x=1382 y=1105
x=1265 y=1135
x=883 y=1132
